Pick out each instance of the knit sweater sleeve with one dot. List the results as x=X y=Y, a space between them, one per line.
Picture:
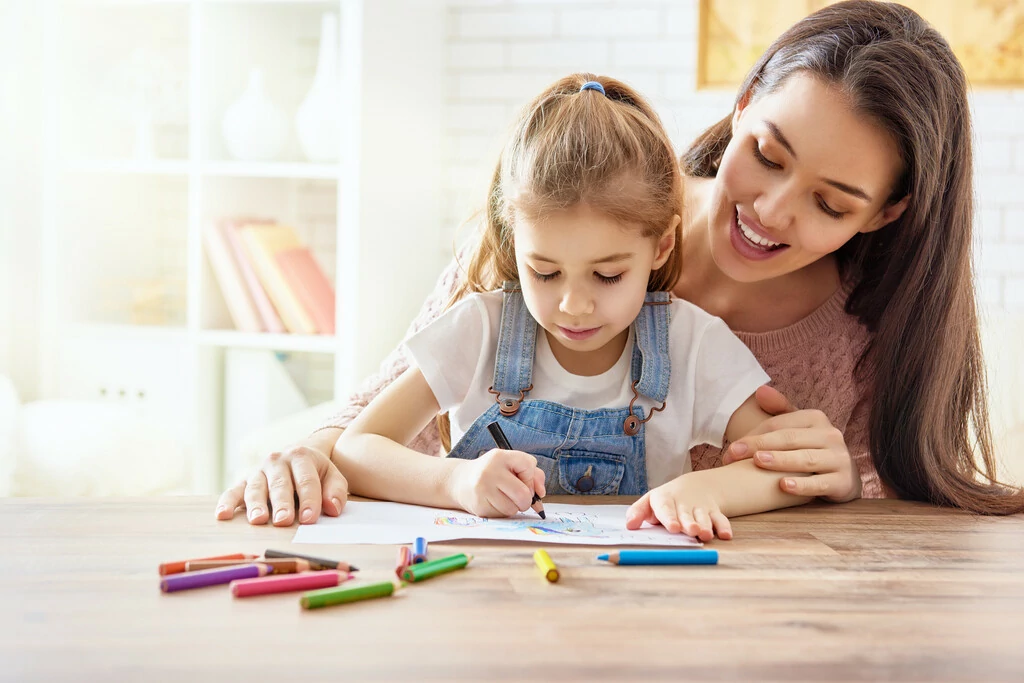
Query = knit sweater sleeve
x=858 y=442
x=397 y=362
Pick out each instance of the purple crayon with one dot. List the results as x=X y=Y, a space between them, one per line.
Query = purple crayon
x=212 y=577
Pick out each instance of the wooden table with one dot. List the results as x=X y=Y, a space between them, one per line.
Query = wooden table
x=872 y=590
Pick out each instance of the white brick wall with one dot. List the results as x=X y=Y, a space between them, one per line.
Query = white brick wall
x=503 y=52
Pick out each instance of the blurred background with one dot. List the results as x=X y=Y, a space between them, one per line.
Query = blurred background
x=218 y=216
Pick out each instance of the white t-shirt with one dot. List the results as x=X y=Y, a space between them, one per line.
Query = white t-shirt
x=713 y=373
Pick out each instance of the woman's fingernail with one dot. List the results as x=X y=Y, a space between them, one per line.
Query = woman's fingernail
x=280 y=515
x=337 y=503
x=255 y=512
x=221 y=508
x=739 y=448
x=789 y=483
x=307 y=515
x=764 y=457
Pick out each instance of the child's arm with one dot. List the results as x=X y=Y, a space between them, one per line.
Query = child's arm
x=700 y=503
x=371 y=455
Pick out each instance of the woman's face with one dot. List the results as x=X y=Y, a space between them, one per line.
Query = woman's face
x=802 y=174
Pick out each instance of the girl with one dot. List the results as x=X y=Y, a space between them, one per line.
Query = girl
x=829 y=223
x=600 y=380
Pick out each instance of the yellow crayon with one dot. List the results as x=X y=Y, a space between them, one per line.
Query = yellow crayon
x=546 y=565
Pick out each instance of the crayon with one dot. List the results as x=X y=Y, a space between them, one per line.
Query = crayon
x=501 y=441
x=211 y=577
x=326 y=597
x=277 y=566
x=546 y=565
x=404 y=560
x=431 y=568
x=419 y=550
x=178 y=567
x=661 y=557
x=285 y=583
x=315 y=563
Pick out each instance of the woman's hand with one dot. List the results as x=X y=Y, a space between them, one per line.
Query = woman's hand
x=682 y=505
x=799 y=441
x=302 y=475
x=497 y=484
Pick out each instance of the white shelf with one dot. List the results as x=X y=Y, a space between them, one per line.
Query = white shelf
x=142 y=333
x=274 y=342
x=272 y=169
x=129 y=166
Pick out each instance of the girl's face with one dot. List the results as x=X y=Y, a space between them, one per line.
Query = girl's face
x=802 y=175
x=584 y=278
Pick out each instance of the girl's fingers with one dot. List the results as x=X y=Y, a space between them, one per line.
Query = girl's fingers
x=520 y=495
x=282 y=489
x=722 y=526
x=666 y=513
x=699 y=523
x=539 y=482
x=308 y=488
x=502 y=504
x=256 y=501
x=230 y=500
x=639 y=512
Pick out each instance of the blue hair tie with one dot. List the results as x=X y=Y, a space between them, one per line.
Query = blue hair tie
x=593 y=85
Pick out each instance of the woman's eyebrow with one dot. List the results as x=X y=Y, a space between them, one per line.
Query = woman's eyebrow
x=848 y=189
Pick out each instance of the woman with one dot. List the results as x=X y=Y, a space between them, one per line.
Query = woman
x=829 y=223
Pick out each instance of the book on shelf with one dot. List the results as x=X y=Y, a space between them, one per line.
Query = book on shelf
x=271 y=320
x=310 y=285
x=229 y=277
x=262 y=244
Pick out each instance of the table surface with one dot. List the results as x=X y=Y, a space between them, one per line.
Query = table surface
x=869 y=590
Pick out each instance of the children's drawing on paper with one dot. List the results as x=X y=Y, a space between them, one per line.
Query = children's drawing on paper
x=577 y=524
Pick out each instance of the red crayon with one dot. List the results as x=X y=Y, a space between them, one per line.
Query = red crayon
x=404 y=560
x=286 y=583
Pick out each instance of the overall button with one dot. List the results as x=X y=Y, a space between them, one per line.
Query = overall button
x=585 y=483
x=632 y=425
x=509 y=407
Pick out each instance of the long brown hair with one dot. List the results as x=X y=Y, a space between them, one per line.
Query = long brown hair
x=568 y=147
x=929 y=432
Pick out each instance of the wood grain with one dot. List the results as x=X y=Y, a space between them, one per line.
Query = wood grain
x=871 y=590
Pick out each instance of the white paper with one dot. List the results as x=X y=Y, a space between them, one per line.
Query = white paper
x=397 y=523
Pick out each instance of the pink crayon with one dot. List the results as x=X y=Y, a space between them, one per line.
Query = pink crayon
x=285 y=583
x=211 y=577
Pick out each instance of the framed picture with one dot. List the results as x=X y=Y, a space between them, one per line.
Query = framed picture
x=986 y=35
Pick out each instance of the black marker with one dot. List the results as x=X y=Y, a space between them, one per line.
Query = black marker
x=502 y=442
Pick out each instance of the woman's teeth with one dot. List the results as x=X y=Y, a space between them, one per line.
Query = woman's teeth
x=755 y=238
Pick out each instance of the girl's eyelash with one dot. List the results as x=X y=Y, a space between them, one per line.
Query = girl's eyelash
x=762 y=158
x=828 y=210
x=544 y=277
x=609 y=280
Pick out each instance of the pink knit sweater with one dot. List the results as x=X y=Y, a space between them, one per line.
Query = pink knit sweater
x=811 y=362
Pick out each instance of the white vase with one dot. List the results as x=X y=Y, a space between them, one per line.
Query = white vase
x=318 y=121
x=254 y=128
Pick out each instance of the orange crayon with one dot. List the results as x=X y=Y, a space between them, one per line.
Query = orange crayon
x=404 y=560
x=281 y=566
x=179 y=567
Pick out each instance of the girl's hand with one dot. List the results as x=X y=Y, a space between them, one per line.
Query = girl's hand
x=302 y=474
x=497 y=484
x=681 y=506
x=799 y=441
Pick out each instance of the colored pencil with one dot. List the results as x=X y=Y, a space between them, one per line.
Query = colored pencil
x=546 y=565
x=501 y=441
x=211 y=577
x=178 y=567
x=661 y=557
x=315 y=563
x=431 y=568
x=404 y=560
x=286 y=583
x=277 y=566
x=326 y=597
x=419 y=550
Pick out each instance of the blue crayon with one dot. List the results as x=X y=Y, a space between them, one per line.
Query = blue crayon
x=661 y=557
x=419 y=550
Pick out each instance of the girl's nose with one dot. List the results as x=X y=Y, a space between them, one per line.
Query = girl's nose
x=576 y=303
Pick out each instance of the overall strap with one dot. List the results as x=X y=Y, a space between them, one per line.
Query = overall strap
x=651 y=366
x=517 y=344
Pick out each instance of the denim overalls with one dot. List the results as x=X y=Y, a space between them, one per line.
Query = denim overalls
x=581 y=451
